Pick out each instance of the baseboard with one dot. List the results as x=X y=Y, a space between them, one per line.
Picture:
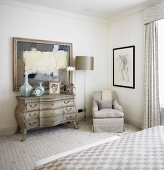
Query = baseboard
x=7 y=131
x=134 y=123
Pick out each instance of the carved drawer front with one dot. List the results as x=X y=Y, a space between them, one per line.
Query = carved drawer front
x=51 y=113
x=70 y=116
x=51 y=105
x=31 y=115
x=59 y=119
x=32 y=106
x=67 y=102
x=69 y=109
x=32 y=123
x=47 y=122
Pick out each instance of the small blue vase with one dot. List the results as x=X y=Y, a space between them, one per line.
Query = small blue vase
x=39 y=90
x=26 y=88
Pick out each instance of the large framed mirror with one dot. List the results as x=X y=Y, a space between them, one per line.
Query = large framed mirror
x=43 y=60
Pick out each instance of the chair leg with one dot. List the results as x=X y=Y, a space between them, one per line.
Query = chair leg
x=92 y=128
x=124 y=128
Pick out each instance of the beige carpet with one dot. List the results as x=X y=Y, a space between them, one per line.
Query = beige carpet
x=16 y=155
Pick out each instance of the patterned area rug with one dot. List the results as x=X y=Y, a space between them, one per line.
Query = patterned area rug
x=46 y=142
x=137 y=151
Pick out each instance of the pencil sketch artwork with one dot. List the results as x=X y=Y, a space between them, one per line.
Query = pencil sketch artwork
x=123 y=74
x=123 y=67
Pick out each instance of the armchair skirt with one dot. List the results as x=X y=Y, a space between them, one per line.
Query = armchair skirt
x=108 y=125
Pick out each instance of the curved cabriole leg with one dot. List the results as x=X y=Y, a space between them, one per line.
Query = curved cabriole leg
x=24 y=133
x=75 y=125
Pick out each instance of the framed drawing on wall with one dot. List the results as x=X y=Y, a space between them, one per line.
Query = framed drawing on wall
x=43 y=60
x=124 y=67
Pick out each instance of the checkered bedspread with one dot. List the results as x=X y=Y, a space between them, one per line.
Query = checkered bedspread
x=142 y=150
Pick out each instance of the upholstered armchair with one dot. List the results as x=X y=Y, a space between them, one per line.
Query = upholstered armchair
x=107 y=114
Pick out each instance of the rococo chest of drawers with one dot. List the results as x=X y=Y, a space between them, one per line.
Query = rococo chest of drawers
x=44 y=111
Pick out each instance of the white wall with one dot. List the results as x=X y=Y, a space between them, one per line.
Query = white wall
x=89 y=37
x=128 y=31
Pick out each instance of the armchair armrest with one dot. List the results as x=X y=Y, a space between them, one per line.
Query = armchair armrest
x=94 y=107
x=117 y=106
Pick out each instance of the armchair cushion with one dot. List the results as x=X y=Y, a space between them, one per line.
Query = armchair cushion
x=105 y=104
x=108 y=113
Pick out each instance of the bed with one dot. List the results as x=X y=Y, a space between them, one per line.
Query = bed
x=143 y=150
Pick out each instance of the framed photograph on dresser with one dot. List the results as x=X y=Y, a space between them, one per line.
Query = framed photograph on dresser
x=54 y=87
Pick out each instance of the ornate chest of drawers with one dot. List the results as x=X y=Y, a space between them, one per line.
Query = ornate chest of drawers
x=48 y=110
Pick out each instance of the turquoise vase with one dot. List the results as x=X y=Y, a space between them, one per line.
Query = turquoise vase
x=39 y=90
x=26 y=88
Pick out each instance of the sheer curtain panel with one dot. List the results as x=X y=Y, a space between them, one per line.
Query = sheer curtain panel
x=152 y=106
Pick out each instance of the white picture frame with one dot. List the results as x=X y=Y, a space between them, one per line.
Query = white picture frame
x=54 y=87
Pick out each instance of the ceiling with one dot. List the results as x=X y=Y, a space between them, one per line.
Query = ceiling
x=96 y=8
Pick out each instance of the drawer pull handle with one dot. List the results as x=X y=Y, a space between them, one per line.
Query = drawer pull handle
x=31 y=124
x=32 y=115
x=33 y=105
x=68 y=109
x=69 y=117
x=66 y=102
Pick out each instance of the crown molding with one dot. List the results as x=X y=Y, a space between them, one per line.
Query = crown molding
x=124 y=14
x=51 y=11
x=79 y=16
x=133 y=11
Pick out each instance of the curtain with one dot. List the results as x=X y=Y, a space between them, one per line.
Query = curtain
x=152 y=106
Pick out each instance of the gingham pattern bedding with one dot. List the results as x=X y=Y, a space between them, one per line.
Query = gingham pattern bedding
x=142 y=150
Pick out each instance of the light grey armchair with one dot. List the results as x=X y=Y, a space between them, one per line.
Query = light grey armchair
x=107 y=119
